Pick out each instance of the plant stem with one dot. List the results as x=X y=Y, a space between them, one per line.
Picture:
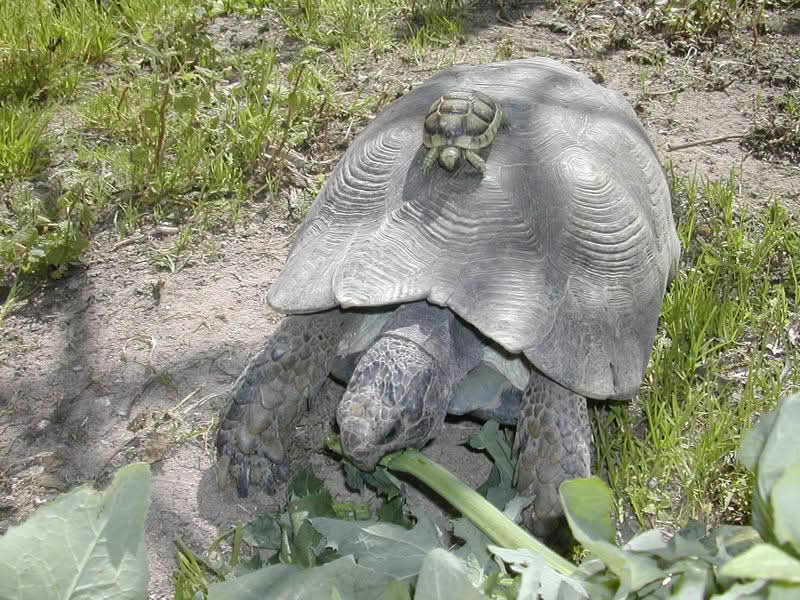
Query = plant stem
x=473 y=506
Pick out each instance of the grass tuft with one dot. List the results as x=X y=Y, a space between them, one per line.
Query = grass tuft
x=718 y=362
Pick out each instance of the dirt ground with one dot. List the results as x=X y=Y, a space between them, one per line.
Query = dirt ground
x=119 y=362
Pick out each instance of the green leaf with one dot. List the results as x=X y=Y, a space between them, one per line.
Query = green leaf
x=305 y=483
x=782 y=591
x=491 y=439
x=150 y=118
x=476 y=543
x=83 y=544
x=384 y=547
x=590 y=505
x=743 y=591
x=499 y=486
x=695 y=580
x=352 y=477
x=774 y=440
x=785 y=495
x=397 y=590
x=264 y=532
x=589 y=508
x=185 y=103
x=444 y=576
x=342 y=576
x=763 y=561
x=753 y=442
x=392 y=511
x=539 y=580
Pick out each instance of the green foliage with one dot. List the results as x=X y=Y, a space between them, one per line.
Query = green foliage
x=319 y=553
x=744 y=562
x=84 y=544
x=703 y=21
x=178 y=132
x=337 y=24
x=717 y=362
x=23 y=141
x=46 y=232
x=777 y=129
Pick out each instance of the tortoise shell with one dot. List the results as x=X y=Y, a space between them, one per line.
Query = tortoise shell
x=466 y=119
x=562 y=252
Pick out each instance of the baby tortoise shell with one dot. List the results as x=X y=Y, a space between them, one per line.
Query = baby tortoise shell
x=458 y=123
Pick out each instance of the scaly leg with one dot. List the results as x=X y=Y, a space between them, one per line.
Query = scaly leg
x=269 y=397
x=554 y=441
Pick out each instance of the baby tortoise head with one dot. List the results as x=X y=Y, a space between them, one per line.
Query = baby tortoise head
x=459 y=123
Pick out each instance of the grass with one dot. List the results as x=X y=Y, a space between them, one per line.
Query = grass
x=719 y=361
x=158 y=124
x=166 y=127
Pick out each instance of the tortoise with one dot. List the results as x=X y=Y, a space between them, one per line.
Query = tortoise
x=516 y=295
x=459 y=123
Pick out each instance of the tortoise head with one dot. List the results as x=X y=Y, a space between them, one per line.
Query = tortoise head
x=449 y=157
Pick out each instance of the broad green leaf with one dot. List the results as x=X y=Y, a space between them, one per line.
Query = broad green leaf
x=778 y=439
x=392 y=511
x=476 y=543
x=729 y=540
x=314 y=505
x=443 y=575
x=539 y=580
x=83 y=544
x=589 y=508
x=384 y=547
x=685 y=543
x=751 y=590
x=763 y=561
x=264 y=532
x=785 y=495
x=288 y=582
x=305 y=483
x=185 y=103
x=754 y=440
x=150 y=118
x=491 y=439
x=397 y=590
x=781 y=591
x=695 y=580
x=352 y=477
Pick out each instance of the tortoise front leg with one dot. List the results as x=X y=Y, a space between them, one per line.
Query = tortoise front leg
x=271 y=395
x=475 y=160
x=554 y=441
x=430 y=157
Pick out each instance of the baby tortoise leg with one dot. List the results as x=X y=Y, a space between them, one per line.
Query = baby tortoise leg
x=554 y=441
x=430 y=157
x=475 y=160
x=269 y=397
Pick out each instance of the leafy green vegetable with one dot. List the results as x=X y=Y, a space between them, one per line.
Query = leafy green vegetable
x=768 y=450
x=472 y=505
x=540 y=580
x=383 y=547
x=764 y=561
x=499 y=487
x=343 y=577
x=444 y=576
x=84 y=544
